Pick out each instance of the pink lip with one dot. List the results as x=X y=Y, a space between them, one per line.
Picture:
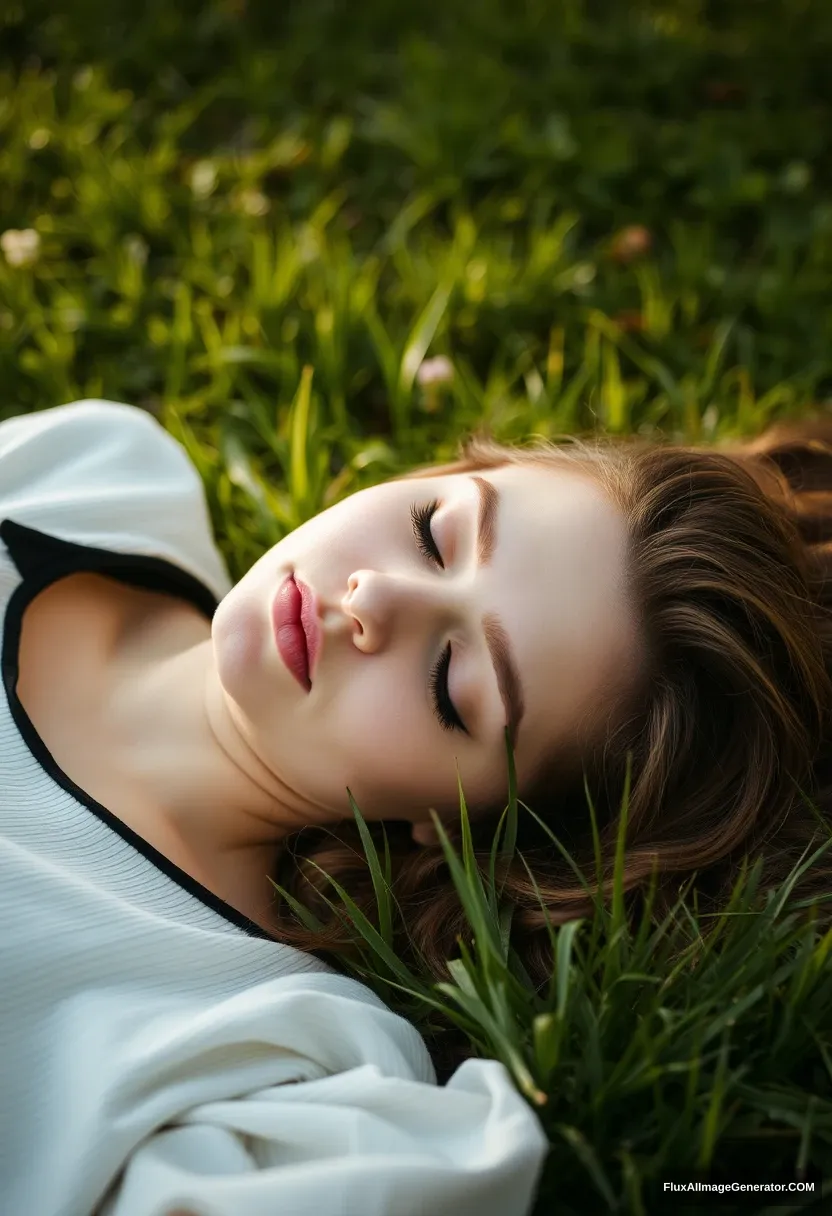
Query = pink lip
x=294 y=619
x=309 y=621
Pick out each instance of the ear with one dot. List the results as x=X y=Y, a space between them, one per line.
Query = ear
x=425 y=833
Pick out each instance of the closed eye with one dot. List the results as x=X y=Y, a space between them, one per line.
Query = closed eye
x=421 y=517
x=444 y=707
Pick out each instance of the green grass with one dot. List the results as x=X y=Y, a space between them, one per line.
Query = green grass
x=256 y=219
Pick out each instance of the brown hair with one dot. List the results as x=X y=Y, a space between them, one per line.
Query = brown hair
x=728 y=728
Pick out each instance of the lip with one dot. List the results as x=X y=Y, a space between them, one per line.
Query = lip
x=296 y=632
x=309 y=621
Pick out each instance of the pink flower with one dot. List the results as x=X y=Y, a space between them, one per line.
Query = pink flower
x=439 y=370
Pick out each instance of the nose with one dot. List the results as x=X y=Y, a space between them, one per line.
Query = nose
x=378 y=603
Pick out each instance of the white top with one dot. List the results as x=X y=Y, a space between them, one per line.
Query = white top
x=148 y=1031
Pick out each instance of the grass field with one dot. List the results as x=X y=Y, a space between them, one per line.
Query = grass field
x=258 y=220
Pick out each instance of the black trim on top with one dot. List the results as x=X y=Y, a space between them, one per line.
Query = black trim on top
x=41 y=560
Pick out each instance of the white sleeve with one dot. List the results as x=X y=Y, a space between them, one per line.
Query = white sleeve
x=108 y=475
x=354 y=1144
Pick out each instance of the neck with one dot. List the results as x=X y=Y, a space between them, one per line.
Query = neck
x=196 y=786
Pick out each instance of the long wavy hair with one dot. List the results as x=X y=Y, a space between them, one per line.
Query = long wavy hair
x=728 y=728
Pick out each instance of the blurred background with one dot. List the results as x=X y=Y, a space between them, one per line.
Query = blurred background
x=548 y=216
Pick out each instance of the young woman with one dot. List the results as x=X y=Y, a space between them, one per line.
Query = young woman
x=172 y=743
x=161 y=1049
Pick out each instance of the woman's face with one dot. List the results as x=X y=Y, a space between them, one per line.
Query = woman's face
x=533 y=566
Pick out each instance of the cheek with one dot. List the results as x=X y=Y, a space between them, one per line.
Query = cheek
x=379 y=727
x=379 y=744
x=344 y=536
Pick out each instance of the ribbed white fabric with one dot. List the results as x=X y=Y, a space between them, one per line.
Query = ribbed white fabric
x=147 y=1031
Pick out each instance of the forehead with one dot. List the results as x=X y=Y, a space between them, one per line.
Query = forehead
x=562 y=506
x=559 y=514
x=563 y=543
x=559 y=580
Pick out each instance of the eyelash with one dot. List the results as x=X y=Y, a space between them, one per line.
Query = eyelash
x=449 y=719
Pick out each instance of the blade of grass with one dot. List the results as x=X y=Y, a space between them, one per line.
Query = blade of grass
x=588 y=1158
x=380 y=885
x=299 y=454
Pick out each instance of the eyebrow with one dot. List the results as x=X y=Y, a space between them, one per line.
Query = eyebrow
x=496 y=637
